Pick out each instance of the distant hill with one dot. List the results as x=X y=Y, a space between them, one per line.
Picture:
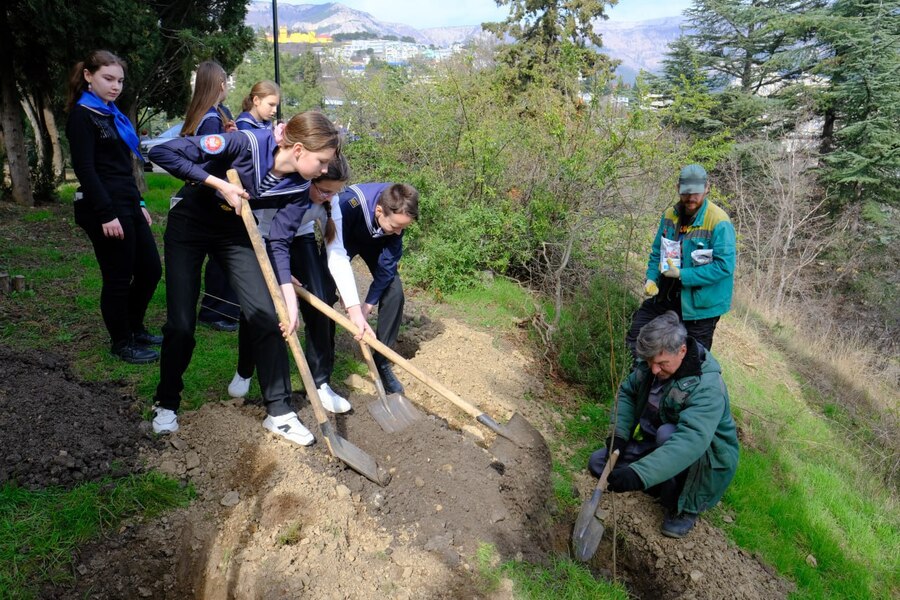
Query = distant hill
x=328 y=18
x=639 y=45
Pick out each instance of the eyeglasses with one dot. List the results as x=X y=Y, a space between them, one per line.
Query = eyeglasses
x=326 y=194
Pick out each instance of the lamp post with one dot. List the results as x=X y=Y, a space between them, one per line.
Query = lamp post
x=277 y=66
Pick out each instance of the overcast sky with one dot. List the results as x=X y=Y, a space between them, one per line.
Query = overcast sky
x=445 y=13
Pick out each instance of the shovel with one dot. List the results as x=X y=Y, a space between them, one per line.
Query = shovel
x=588 y=527
x=518 y=430
x=394 y=412
x=339 y=447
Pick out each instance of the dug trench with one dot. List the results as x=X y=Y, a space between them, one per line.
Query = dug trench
x=272 y=520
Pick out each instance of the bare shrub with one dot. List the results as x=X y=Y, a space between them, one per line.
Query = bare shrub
x=781 y=225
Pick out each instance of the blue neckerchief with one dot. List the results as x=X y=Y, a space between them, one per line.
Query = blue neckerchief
x=126 y=130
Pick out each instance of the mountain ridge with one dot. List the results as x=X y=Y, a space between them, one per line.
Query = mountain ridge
x=639 y=45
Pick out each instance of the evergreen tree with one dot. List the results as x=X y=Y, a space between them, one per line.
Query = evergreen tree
x=861 y=104
x=682 y=62
x=756 y=43
x=554 y=40
x=162 y=41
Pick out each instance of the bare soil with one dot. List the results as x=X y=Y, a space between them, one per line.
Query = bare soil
x=273 y=520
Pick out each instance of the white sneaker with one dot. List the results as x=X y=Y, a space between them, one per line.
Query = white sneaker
x=290 y=428
x=239 y=386
x=332 y=401
x=165 y=421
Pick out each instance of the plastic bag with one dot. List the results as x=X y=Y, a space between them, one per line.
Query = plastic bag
x=669 y=250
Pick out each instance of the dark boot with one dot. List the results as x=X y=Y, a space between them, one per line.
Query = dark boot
x=391 y=384
x=145 y=338
x=222 y=325
x=131 y=352
x=678 y=526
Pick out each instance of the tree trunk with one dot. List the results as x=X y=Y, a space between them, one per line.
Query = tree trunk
x=59 y=164
x=827 y=144
x=30 y=112
x=14 y=133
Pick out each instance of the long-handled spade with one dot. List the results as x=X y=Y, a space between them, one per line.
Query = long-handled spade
x=394 y=412
x=518 y=430
x=339 y=447
x=588 y=527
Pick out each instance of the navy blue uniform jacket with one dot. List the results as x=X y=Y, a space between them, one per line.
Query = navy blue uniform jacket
x=246 y=121
x=364 y=237
x=211 y=121
x=250 y=153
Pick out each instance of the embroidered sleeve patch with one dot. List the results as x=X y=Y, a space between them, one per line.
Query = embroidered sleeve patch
x=354 y=202
x=212 y=144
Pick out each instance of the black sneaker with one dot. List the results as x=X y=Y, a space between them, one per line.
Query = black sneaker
x=135 y=354
x=678 y=526
x=391 y=384
x=145 y=338
x=222 y=325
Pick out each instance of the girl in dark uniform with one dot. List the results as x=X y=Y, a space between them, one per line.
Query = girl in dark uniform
x=108 y=205
x=305 y=242
x=206 y=115
x=259 y=106
x=206 y=221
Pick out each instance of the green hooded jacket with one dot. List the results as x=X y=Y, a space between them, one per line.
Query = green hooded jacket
x=705 y=439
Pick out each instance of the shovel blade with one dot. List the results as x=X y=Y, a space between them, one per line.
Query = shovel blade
x=517 y=430
x=354 y=456
x=588 y=529
x=394 y=413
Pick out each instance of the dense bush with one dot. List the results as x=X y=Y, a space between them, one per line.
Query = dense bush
x=519 y=184
x=590 y=341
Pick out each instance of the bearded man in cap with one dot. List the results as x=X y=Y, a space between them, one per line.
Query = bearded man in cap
x=695 y=278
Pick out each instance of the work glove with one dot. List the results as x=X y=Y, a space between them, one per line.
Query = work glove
x=673 y=271
x=614 y=443
x=624 y=479
x=650 y=288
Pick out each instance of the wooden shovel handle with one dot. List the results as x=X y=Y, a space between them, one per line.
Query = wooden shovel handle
x=262 y=257
x=373 y=371
x=388 y=353
x=610 y=465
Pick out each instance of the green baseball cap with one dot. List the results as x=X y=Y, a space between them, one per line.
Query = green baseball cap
x=692 y=180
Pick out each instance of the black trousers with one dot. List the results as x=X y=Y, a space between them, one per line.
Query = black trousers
x=667 y=491
x=701 y=330
x=219 y=302
x=197 y=226
x=309 y=264
x=390 y=311
x=130 y=269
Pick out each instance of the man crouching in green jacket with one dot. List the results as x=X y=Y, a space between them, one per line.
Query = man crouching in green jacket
x=674 y=430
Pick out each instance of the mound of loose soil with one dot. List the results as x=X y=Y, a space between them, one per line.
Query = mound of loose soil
x=702 y=565
x=57 y=431
x=273 y=520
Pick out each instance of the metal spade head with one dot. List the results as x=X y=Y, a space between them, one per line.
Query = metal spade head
x=588 y=528
x=394 y=412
